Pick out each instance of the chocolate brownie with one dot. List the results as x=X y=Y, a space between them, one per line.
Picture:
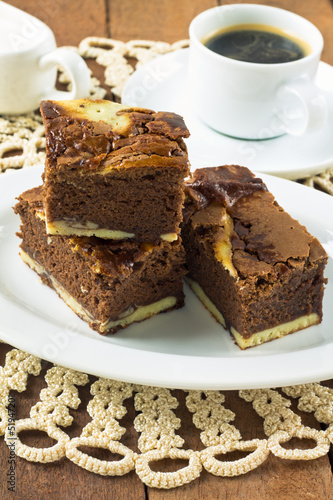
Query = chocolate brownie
x=257 y=270
x=113 y=171
x=108 y=284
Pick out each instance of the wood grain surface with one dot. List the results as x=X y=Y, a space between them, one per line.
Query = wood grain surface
x=167 y=20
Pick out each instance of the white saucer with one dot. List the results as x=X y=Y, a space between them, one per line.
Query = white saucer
x=162 y=84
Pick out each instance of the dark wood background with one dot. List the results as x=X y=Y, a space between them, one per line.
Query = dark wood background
x=166 y=20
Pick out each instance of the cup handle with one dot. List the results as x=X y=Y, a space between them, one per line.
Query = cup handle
x=76 y=68
x=304 y=107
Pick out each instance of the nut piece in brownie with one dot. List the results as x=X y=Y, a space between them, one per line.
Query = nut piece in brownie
x=113 y=171
x=257 y=270
x=108 y=284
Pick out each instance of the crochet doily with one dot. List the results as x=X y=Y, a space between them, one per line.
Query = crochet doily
x=22 y=144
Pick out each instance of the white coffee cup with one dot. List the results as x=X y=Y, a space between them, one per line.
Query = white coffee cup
x=253 y=100
x=28 y=63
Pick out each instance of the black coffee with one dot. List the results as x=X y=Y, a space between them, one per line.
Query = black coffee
x=256 y=45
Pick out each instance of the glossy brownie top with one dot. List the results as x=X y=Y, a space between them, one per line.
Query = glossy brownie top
x=225 y=185
x=264 y=238
x=101 y=135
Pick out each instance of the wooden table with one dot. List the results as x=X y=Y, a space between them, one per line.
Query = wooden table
x=165 y=20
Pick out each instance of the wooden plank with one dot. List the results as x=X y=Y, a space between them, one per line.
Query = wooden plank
x=165 y=20
x=70 y=21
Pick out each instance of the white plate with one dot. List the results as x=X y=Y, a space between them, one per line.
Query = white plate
x=184 y=348
x=162 y=84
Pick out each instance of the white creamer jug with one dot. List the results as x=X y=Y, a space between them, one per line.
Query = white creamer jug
x=28 y=63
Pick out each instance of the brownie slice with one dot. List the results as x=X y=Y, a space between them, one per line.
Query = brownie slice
x=108 y=284
x=113 y=171
x=257 y=270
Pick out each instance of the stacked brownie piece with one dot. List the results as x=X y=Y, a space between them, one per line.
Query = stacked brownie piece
x=104 y=229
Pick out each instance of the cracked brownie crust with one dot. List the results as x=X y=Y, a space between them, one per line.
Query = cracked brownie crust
x=260 y=269
x=113 y=171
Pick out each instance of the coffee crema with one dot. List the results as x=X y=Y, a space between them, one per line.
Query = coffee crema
x=257 y=43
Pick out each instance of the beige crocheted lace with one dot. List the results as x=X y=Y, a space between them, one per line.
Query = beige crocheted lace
x=157 y=424
x=21 y=145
